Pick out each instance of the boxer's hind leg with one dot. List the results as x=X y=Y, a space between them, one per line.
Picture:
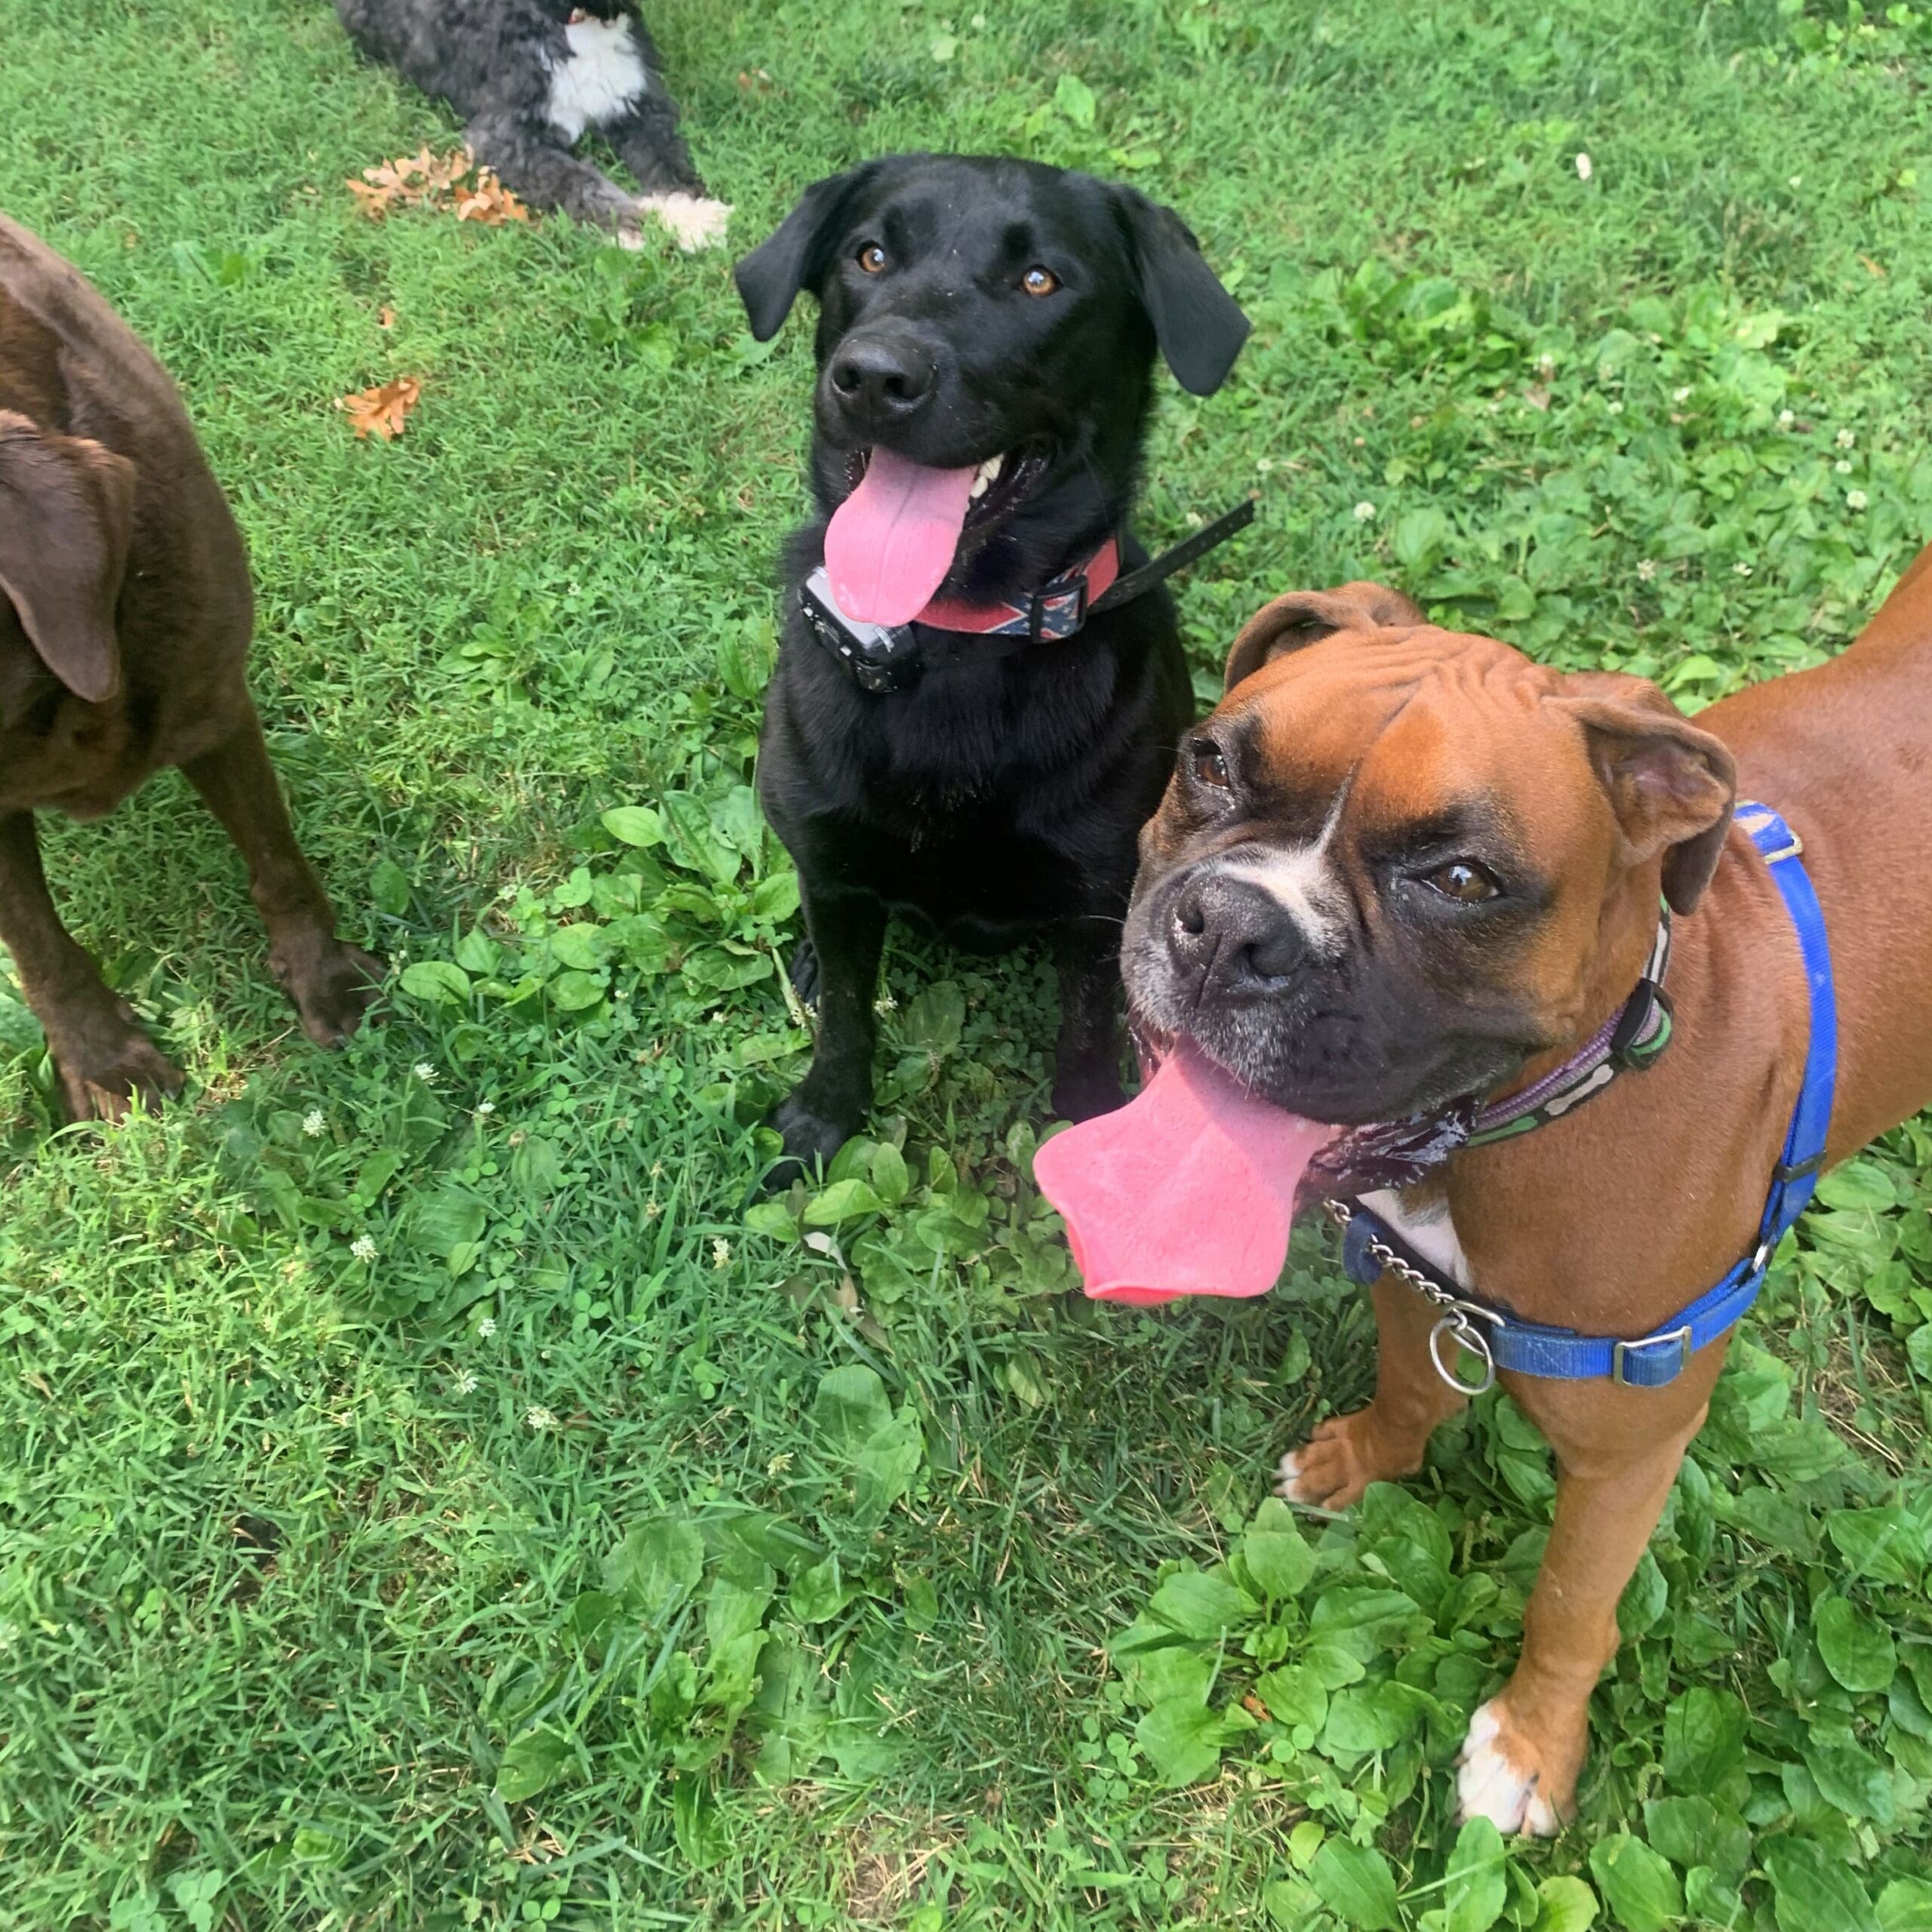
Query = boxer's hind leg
x=1384 y=1441
x=1525 y=1746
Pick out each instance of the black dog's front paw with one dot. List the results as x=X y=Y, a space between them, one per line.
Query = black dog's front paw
x=812 y=1133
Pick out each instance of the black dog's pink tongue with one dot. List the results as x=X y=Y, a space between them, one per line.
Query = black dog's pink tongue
x=891 y=542
x=1188 y=1189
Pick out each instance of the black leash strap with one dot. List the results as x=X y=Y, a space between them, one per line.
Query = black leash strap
x=1125 y=589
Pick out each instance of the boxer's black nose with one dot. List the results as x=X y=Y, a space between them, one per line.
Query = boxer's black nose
x=1230 y=936
x=881 y=380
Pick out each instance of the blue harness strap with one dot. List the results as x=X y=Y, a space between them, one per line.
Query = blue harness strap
x=1651 y=1361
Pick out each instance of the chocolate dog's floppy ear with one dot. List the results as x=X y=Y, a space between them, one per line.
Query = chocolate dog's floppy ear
x=1671 y=785
x=1197 y=323
x=1306 y=616
x=66 y=513
x=793 y=256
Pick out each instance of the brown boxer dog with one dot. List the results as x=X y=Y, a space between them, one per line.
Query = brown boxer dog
x=1399 y=865
x=125 y=611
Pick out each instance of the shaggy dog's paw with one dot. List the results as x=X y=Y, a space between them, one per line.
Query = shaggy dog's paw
x=695 y=221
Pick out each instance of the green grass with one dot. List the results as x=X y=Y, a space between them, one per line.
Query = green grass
x=591 y=1557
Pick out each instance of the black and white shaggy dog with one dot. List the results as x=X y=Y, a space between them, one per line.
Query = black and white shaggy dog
x=949 y=731
x=530 y=77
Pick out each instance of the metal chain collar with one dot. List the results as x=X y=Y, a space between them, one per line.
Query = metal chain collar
x=1456 y=1322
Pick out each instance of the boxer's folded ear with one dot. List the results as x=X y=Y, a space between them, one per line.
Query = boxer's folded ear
x=1671 y=785
x=1306 y=616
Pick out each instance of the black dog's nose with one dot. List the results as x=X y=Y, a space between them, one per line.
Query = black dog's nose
x=1228 y=936
x=881 y=380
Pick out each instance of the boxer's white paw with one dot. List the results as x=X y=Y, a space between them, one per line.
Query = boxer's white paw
x=1491 y=1785
x=695 y=221
x=1287 y=1474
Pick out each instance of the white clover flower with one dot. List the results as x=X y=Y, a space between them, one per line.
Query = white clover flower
x=507 y=889
x=1682 y=395
x=1846 y=439
x=313 y=1124
x=1742 y=570
x=485 y=1109
x=487 y=1327
x=1796 y=181
x=466 y=1383
x=1646 y=570
x=885 y=1003
x=1615 y=408
x=721 y=1252
x=1843 y=466
x=1786 y=419
x=1365 y=512
x=539 y=1419
x=363 y=1247
x=1262 y=464
x=1856 y=500
x=1584 y=169
x=425 y=1073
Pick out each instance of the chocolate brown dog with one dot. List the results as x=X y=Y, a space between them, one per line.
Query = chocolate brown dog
x=1400 y=867
x=125 y=618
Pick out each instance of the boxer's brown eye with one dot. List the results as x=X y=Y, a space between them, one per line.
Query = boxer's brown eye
x=1039 y=281
x=873 y=259
x=1463 y=880
x=1209 y=767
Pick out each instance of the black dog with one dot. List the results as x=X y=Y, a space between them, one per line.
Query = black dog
x=985 y=346
x=529 y=77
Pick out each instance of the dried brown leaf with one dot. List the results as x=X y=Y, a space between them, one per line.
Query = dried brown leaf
x=383 y=410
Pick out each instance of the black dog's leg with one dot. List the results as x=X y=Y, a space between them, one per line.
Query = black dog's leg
x=829 y=1106
x=102 y=1056
x=331 y=984
x=530 y=159
x=804 y=971
x=1086 y=1055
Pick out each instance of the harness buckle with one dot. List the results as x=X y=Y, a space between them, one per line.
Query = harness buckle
x=1621 y=1353
x=1471 y=1341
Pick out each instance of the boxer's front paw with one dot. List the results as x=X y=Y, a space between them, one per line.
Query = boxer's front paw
x=1345 y=1454
x=1508 y=1778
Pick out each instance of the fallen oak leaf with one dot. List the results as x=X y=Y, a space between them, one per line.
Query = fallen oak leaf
x=489 y=201
x=383 y=410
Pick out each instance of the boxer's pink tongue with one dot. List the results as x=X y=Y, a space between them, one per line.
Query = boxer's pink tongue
x=891 y=542
x=1188 y=1190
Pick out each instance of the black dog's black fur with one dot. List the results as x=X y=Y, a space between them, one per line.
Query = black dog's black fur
x=495 y=61
x=1000 y=797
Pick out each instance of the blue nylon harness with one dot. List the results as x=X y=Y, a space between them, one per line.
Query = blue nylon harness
x=1507 y=1341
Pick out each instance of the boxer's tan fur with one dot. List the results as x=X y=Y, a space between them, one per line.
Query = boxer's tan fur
x=1611 y=1219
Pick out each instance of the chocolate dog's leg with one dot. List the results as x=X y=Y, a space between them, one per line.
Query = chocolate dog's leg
x=1385 y=1441
x=829 y=1106
x=103 y=1056
x=332 y=984
x=1086 y=1054
x=1524 y=1747
x=531 y=160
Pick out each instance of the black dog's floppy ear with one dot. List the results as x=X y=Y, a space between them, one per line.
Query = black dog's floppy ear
x=793 y=256
x=1196 y=322
x=1304 y=617
x=67 y=514
x=1671 y=785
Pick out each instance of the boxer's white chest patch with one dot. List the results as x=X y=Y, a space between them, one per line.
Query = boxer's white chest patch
x=1426 y=1226
x=599 y=80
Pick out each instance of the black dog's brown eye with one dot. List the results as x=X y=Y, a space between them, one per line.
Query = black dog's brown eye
x=1209 y=767
x=1039 y=281
x=1463 y=880
x=872 y=258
